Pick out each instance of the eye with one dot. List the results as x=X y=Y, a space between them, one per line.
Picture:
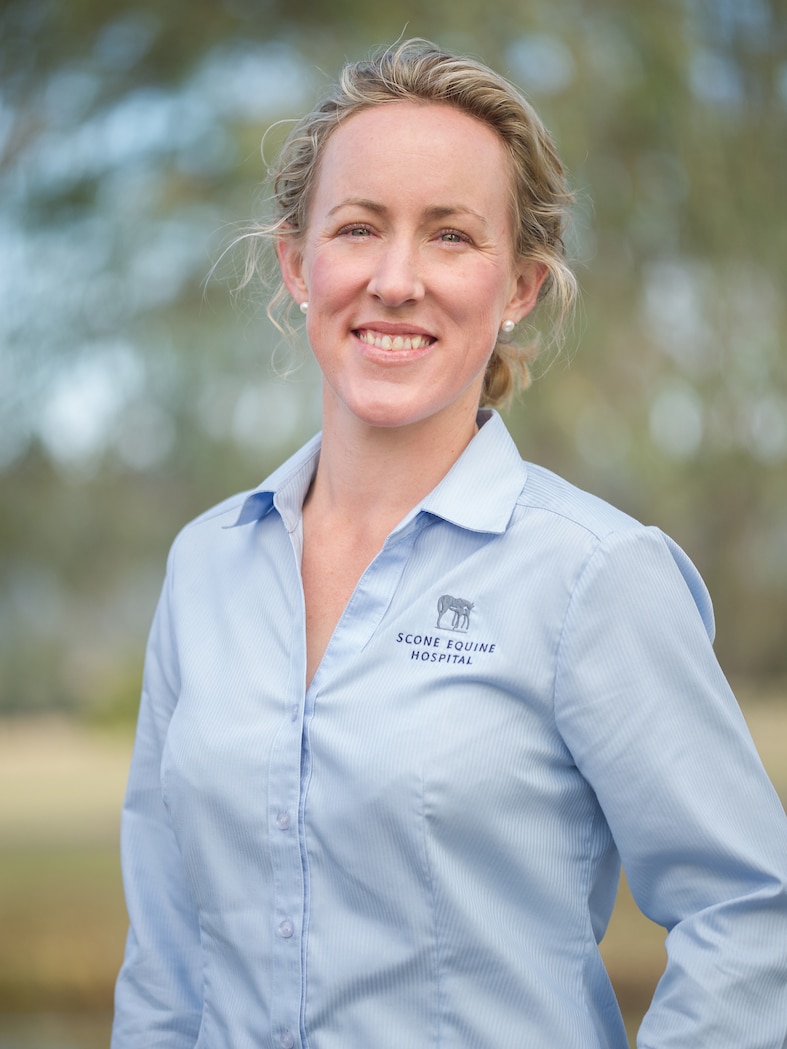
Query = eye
x=356 y=230
x=453 y=236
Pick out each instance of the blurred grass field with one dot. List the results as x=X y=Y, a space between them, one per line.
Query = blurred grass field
x=62 y=916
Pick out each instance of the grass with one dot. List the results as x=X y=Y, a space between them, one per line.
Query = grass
x=62 y=914
x=64 y=925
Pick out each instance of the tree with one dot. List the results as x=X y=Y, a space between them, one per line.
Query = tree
x=131 y=399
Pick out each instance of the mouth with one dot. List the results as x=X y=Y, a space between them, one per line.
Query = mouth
x=383 y=341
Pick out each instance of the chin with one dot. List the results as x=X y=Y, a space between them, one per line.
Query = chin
x=387 y=409
x=388 y=418
x=398 y=406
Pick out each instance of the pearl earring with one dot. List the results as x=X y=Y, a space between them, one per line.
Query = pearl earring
x=507 y=326
x=304 y=307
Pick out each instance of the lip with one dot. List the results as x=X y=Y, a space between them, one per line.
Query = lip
x=393 y=354
x=390 y=328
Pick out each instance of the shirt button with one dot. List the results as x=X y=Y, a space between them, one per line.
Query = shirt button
x=283 y=820
x=294 y=713
x=286 y=929
x=286 y=1041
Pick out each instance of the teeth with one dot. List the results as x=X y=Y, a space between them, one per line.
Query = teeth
x=398 y=342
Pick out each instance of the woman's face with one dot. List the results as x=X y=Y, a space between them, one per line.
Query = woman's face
x=408 y=264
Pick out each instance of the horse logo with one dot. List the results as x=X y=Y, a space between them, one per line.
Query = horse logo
x=460 y=609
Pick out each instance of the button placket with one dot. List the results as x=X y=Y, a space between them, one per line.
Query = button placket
x=283 y=793
x=289 y=773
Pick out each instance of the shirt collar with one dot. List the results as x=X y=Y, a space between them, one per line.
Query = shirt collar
x=479 y=492
x=285 y=488
x=481 y=489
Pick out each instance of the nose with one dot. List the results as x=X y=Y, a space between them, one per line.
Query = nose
x=396 y=279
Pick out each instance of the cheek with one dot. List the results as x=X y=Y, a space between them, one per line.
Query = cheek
x=331 y=281
x=482 y=314
x=485 y=295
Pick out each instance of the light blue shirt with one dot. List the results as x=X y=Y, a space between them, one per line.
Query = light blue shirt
x=422 y=849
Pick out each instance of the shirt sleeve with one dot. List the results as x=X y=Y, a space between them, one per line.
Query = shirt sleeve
x=158 y=993
x=653 y=726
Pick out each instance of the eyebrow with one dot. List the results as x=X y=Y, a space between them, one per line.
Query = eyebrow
x=435 y=212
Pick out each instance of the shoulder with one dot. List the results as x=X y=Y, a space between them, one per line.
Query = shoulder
x=551 y=494
x=220 y=515
x=203 y=545
x=211 y=522
x=285 y=488
x=606 y=549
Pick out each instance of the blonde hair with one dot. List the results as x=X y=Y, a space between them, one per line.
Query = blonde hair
x=419 y=71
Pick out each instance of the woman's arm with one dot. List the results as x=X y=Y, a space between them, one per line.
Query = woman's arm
x=158 y=997
x=655 y=729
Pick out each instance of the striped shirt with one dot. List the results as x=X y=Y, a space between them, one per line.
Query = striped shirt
x=422 y=849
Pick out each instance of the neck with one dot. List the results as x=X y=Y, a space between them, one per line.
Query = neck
x=371 y=474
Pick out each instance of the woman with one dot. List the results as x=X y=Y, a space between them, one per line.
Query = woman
x=408 y=702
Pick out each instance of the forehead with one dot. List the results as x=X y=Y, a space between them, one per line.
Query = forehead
x=417 y=150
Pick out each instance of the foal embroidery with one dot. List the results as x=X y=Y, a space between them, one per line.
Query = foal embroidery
x=460 y=610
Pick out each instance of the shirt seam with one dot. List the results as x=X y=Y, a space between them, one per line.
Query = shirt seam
x=564 y=624
x=588 y=936
x=227 y=506
x=430 y=878
x=601 y=535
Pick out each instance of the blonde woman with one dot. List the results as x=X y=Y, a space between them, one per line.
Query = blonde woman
x=408 y=703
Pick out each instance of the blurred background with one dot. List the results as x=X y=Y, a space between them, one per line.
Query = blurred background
x=135 y=390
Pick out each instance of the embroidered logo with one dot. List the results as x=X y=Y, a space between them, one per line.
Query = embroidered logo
x=453 y=617
x=459 y=610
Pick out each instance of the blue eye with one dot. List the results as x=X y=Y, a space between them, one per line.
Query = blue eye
x=359 y=232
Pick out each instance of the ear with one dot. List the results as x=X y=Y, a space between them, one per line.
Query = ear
x=529 y=277
x=291 y=264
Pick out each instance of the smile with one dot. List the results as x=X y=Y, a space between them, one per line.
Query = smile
x=394 y=342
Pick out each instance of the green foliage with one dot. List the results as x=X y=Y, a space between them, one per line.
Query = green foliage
x=131 y=399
